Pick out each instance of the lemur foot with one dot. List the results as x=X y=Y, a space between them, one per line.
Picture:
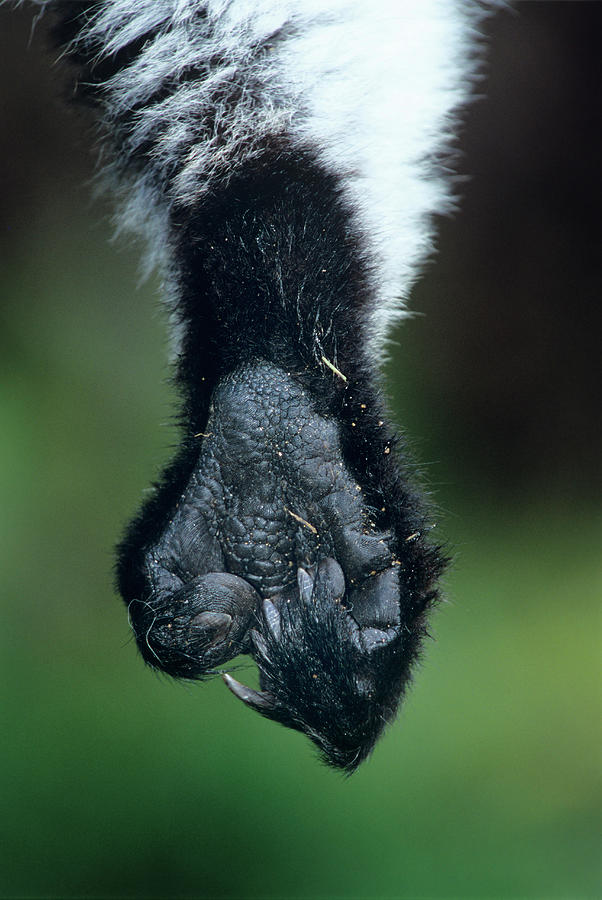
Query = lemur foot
x=272 y=549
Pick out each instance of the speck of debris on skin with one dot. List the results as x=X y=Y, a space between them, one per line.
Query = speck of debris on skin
x=333 y=368
x=302 y=521
x=387 y=450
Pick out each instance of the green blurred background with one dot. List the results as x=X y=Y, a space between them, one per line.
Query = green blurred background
x=118 y=783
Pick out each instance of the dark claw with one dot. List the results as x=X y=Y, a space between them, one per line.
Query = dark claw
x=259 y=643
x=272 y=618
x=259 y=700
x=306 y=585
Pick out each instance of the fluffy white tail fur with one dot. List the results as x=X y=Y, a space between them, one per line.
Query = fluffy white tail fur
x=371 y=87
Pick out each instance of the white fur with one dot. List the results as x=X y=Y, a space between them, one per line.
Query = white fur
x=371 y=85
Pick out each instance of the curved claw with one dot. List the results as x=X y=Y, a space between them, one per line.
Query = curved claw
x=306 y=585
x=259 y=700
x=259 y=643
x=272 y=618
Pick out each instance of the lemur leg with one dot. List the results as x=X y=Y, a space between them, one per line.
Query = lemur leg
x=253 y=145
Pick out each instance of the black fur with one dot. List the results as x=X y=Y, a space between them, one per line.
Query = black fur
x=287 y=526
